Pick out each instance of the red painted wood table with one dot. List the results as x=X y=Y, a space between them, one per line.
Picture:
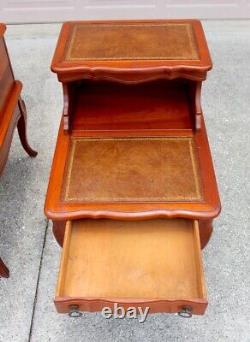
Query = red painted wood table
x=132 y=191
x=12 y=114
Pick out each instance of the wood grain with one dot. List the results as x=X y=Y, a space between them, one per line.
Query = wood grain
x=107 y=106
x=131 y=262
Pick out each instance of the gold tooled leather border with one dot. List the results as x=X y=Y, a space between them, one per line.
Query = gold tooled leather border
x=190 y=33
x=67 y=177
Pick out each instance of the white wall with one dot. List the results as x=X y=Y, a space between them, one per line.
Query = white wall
x=28 y=11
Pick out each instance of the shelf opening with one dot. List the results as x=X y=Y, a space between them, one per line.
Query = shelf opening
x=159 y=106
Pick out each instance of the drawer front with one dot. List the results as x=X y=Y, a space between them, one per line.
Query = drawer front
x=154 y=263
x=6 y=76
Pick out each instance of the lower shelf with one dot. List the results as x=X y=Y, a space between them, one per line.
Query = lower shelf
x=108 y=106
x=129 y=263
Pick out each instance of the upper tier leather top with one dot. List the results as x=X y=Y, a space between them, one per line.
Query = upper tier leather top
x=132 y=51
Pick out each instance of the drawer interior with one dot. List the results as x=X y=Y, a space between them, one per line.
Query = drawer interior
x=155 y=263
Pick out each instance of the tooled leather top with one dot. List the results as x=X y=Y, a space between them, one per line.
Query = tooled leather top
x=132 y=50
x=135 y=41
x=132 y=170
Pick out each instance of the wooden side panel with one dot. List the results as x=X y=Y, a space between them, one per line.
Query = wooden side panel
x=10 y=116
x=6 y=77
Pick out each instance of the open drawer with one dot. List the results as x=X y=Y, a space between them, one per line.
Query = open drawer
x=154 y=263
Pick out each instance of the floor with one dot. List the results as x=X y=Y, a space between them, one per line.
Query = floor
x=27 y=312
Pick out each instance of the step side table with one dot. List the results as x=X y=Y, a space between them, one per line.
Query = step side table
x=132 y=190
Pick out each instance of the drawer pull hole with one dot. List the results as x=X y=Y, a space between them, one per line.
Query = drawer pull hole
x=74 y=311
x=185 y=312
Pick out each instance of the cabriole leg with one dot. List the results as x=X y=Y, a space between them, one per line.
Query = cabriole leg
x=22 y=129
x=58 y=231
x=4 y=272
x=206 y=230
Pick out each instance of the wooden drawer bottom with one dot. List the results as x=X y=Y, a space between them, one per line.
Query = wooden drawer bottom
x=154 y=263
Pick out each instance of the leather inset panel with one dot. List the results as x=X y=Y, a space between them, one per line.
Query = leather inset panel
x=164 y=41
x=132 y=170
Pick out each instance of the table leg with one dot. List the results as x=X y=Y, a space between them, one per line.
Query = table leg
x=4 y=272
x=206 y=229
x=22 y=129
x=59 y=230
